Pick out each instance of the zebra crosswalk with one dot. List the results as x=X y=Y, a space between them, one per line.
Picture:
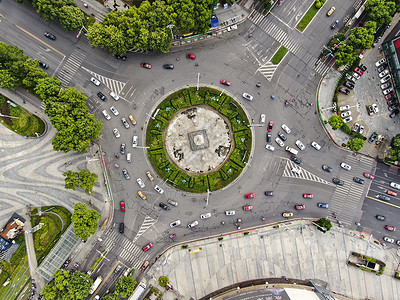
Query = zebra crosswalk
x=303 y=174
x=69 y=69
x=347 y=200
x=127 y=250
x=114 y=85
x=147 y=223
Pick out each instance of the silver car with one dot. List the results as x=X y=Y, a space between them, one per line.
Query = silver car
x=173 y=202
x=125 y=123
x=205 y=216
x=287 y=129
x=193 y=224
x=279 y=142
x=300 y=145
x=116 y=133
x=106 y=115
x=114 y=110
x=176 y=223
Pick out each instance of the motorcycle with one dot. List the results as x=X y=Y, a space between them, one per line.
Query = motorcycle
x=116 y=155
x=287 y=103
x=172 y=236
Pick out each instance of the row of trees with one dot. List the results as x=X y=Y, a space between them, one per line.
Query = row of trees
x=66 y=12
x=149 y=25
x=66 y=108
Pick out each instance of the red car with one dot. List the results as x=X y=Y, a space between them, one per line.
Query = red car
x=359 y=71
x=391 y=193
x=300 y=206
x=309 y=196
x=391 y=95
x=226 y=82
x=146 y=65
x=191 y=56
x=370 y=176
x=247 y=207
x=270 y=125
x=249 y=196
x=390 y=228
x=122 y=205
x=147 y=247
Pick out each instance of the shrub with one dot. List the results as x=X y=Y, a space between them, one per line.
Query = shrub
x=163 y=281
x=184 y=246
x=318 y=4
x=220 y=238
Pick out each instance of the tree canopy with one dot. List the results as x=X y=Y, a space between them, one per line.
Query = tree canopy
x=67 y=286
x=336 y=122
x=85 y=221
x=324 y=225
x=125 y=286
x=82 y=179
x=380 y=11
x=355 y=144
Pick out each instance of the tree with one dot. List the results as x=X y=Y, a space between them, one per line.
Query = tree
x=112 y=296
x=71 y=17
x=7 y=81
x=324 y=225
x=361 y=38
x=380 y=11
x=47 y=89
x=163 y=281
x=66 y=286
x=82 y=179
x=125 y=286
x=345 y=55
x=85 y=221
x=336 y=122
x=355 y=144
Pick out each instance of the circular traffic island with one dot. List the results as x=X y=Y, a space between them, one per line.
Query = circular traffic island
x=198 y=140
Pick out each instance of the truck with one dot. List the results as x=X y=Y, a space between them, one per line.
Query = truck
x=291 y=150
x=96 y=284
x=138 y=292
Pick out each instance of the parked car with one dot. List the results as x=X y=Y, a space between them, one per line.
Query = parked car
x=381 y=68
x=269 y=136
x=287 y=214
x=282 y=136
x=126 y=174
x=175 y=223
x=361 y=129
x=270 y=125
x=262 y=118
x=380 y=62
x=173 y=202
x=125 y=123
x=247 y=96
x=344 y=108
x=132 y=119
x=250 y=196
x=114 y=96
x=122 y=148
x=116 y=133
x=191 y=56
x=391 y=95
x=205 y=216
x=391 y=193
x=163 y=206
x=279 y=142
x=193 y=224
x=384 y=198
x=158 y=189
x=95 y=81
x=386 y=78
x=101 y=96
x=142 y=195
x=395 y=185
x=373 y=137
x=106 y=115
x=323 y=205
x=383 y=73
x=300 y=145
x=345 y=114
x=226 y=82
x=356 y=75
x=316 y=145
x=394 y=113
x=388 y=91
x=140 y=183
x=356 y=127
x=344 y=91
x=359 y=71
x=286 y=128
x=348 y=119
x=349 y=85
x=114 y=111
x=295 y=159
x=270 y=148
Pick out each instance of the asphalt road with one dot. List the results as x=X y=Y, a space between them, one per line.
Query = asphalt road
x=235 y=57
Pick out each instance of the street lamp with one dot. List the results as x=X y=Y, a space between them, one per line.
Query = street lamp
x=1 y=115
x=170 y=26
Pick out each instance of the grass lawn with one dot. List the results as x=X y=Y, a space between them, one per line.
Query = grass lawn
x=279 y=55
x=24 y=123
x=19 y=278
x=307 y=18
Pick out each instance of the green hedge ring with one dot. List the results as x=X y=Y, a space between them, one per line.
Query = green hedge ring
x=198 y=140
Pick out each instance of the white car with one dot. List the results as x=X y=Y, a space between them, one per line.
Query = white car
x=383 y=73
x=176 y=223
x=316 y=145
x=297 y=171
x=114 y=110
x=158 y=189
x=300 y=145
x=375 y=108
x=279 y=142
x=230 y=212
x=140 y=183
x=193 y=224
x=356 y=76
x=106 y=115
x=95 y=81
x=386 y=78
x=262 y=119
x=345 y=166
x=395 y=185
x=173 y=202
x=247 y=96
x=385 y=85
x=135 y=141
x=380 y=62
x=388 y=239
x=270 y=148
x=116 y=133
x=388 y=91
x=355 y=127
x=287 y=129
x=126 y=124
x=361 y=129
x=205 y=216
x=346 y=107
x=348 y=119
x=114 y=96
x=345 y=114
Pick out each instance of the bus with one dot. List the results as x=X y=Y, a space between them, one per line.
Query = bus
x=96 y=284
x=138 y=291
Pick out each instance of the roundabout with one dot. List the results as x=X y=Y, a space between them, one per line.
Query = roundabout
x=199 y=141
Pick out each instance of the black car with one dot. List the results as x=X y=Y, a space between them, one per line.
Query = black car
x=391 y=102
x=337 y=181
x=384 y=197
x=394 y=113
x=358 y=180
x=123 y=148
x=43 y=65
x=373 y=137
x=121 y=57
x=282 y=136
x=363 y=68
x=344 y=91
x=269 y=137
x=295 y=159
x=334 y=24
x=49 y=35
x=327 y=168
x=381 y=218
x=269 y=193
x=393 y=107
x=101 y=96
x=121 y=227
x=126 y=174
x=168 y=66
x=164 y=206
x=349 y=85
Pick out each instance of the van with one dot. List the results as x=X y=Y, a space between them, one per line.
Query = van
x=291 y=150
x=128 y=157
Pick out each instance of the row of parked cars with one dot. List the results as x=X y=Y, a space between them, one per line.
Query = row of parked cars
x=386 y=86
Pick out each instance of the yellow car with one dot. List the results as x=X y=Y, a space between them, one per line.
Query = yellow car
x=143 y=196
x=149 y=175
x=132 y=119
x=287 y=214
x=330 y=12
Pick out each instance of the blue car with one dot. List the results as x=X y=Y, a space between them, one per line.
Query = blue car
x=323 y=205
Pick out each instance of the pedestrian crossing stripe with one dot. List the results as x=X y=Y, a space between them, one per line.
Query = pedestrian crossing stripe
x=147 y=223
x=306 y=175
x=114 y=85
